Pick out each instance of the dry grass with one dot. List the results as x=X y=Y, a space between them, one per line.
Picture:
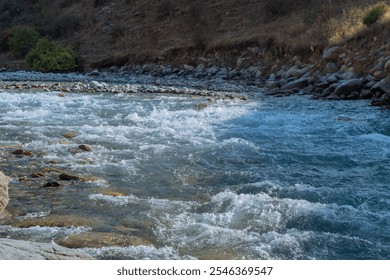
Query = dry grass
x=153 y=30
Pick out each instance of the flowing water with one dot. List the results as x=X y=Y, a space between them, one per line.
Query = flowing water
x=263 y=178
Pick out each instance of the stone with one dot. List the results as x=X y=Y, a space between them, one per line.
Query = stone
x=200 y=68
x=55 y=221
x=293 y=72
x=331 y=67
x=94 y=73
x=387 y=67
x=22 y=152
x=332 y=54
x=52 y=185
x=188 y=67
x=101 y=239
x=4 y=198
x=96 y=84
x=379 y=75
x=11 y=249
x=85 y=148
x=299 y=84
x=348 y=87
x=70 y=135
x=382 y=86
x=68 y=177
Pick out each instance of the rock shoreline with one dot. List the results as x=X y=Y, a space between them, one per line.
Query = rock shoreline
x=11 y=249
x=339 y=82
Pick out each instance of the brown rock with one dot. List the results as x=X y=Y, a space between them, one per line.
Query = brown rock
x=68 y=177
x=387 y=67
x=55 y=221
x=22 y=152
x=52 y=185
x=3 y=192
x=85 y=148
x=70 y=135
x=101 y=239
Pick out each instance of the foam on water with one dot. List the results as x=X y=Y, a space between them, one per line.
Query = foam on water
x=275 y=179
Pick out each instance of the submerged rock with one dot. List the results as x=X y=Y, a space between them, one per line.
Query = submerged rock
x=55 y=221
x=85 y=148
x=26 y=250
x=101 y=239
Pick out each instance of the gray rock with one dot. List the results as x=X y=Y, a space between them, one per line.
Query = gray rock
x=188 y=67
x=331 y=67
x=332 y=54
x=25 y=250
x=383 y=86
x=348 y=87
x=200 y=68
x=293 y=72
x=3 y=192
x=94 y=73
x=299 y=84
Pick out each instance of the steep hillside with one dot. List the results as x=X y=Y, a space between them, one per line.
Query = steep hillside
x=125 y=32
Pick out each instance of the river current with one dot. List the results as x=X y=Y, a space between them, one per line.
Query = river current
x=263 y=178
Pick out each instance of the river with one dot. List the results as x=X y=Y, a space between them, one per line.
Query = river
x=262 y=178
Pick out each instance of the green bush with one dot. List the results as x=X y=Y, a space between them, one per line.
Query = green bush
x=374 y=15
x=47 y=57
x=22 y=41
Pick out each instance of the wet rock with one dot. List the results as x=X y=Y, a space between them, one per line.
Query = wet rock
x=70 y=135
x=348 y=87
x=101 y=239
x=68 y=177
x=332 y=54
x=53 y=184
x=94 y=73
x=26 y=250
x=22 y=152
x=200 y=106
x=111 y=193
x=188 y=67
x=4 y=198
x=85 y=148
x=56 y=221
x=38 y=175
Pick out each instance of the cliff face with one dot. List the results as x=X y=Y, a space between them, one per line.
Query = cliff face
x=122 y=32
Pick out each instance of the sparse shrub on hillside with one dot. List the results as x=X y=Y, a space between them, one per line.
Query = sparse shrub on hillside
x=47 y=57
x=22 y=41
x=374 y=14
x=62 y=26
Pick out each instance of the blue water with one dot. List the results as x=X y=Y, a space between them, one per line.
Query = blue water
x=266 y=178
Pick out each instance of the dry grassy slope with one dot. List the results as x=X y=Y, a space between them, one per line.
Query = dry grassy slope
x=120 y=32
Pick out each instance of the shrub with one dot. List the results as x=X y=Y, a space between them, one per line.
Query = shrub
x=22 y=41
x=373 y=15
x=47 y=57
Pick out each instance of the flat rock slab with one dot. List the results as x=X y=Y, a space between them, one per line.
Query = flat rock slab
x=11 y=249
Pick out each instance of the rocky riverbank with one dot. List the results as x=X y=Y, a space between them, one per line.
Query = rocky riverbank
x=26 y=250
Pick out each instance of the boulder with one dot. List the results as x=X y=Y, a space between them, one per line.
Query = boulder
x=382 y=86
x=348 y=87
x=331 y=67
x=26 y=250
x=3 y=192
x=332 y=54
x=387 y=67
x=299 y=84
